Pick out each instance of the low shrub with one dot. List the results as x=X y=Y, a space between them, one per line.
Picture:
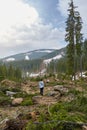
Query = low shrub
x=27 y=102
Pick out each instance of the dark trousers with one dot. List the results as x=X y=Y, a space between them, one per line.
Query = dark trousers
x=41 y=91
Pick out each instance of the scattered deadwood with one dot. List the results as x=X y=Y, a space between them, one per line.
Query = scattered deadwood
x=15 y=124
x=84 y=127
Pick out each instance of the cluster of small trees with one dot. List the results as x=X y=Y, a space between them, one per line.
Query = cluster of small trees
x=10 y=72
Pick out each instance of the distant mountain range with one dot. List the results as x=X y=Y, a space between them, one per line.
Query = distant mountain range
x=45 y=54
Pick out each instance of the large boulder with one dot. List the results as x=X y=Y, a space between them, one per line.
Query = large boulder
x=62 y=89
x=17 y=101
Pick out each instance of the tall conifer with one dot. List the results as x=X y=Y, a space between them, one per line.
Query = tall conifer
x=74 y=38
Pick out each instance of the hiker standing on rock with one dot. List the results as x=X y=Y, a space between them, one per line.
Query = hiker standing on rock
x=41 y=86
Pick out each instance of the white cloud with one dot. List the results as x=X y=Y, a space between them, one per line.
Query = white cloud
x=38 y=36
x=15 y=13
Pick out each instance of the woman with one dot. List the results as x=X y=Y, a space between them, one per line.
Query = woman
x=41 y=86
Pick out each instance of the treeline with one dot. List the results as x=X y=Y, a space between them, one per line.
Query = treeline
x=10 y=72
x=27 y=65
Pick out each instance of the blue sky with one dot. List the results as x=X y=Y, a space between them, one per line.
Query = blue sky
x=47 y=10
x=27 y=25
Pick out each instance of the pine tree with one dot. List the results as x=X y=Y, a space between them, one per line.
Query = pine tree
x=69 y=37
x=74 y=38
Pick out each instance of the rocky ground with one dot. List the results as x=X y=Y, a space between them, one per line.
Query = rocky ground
x=11 y=115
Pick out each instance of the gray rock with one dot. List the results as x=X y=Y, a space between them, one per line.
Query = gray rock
x=10 y=93
x=61 y=89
